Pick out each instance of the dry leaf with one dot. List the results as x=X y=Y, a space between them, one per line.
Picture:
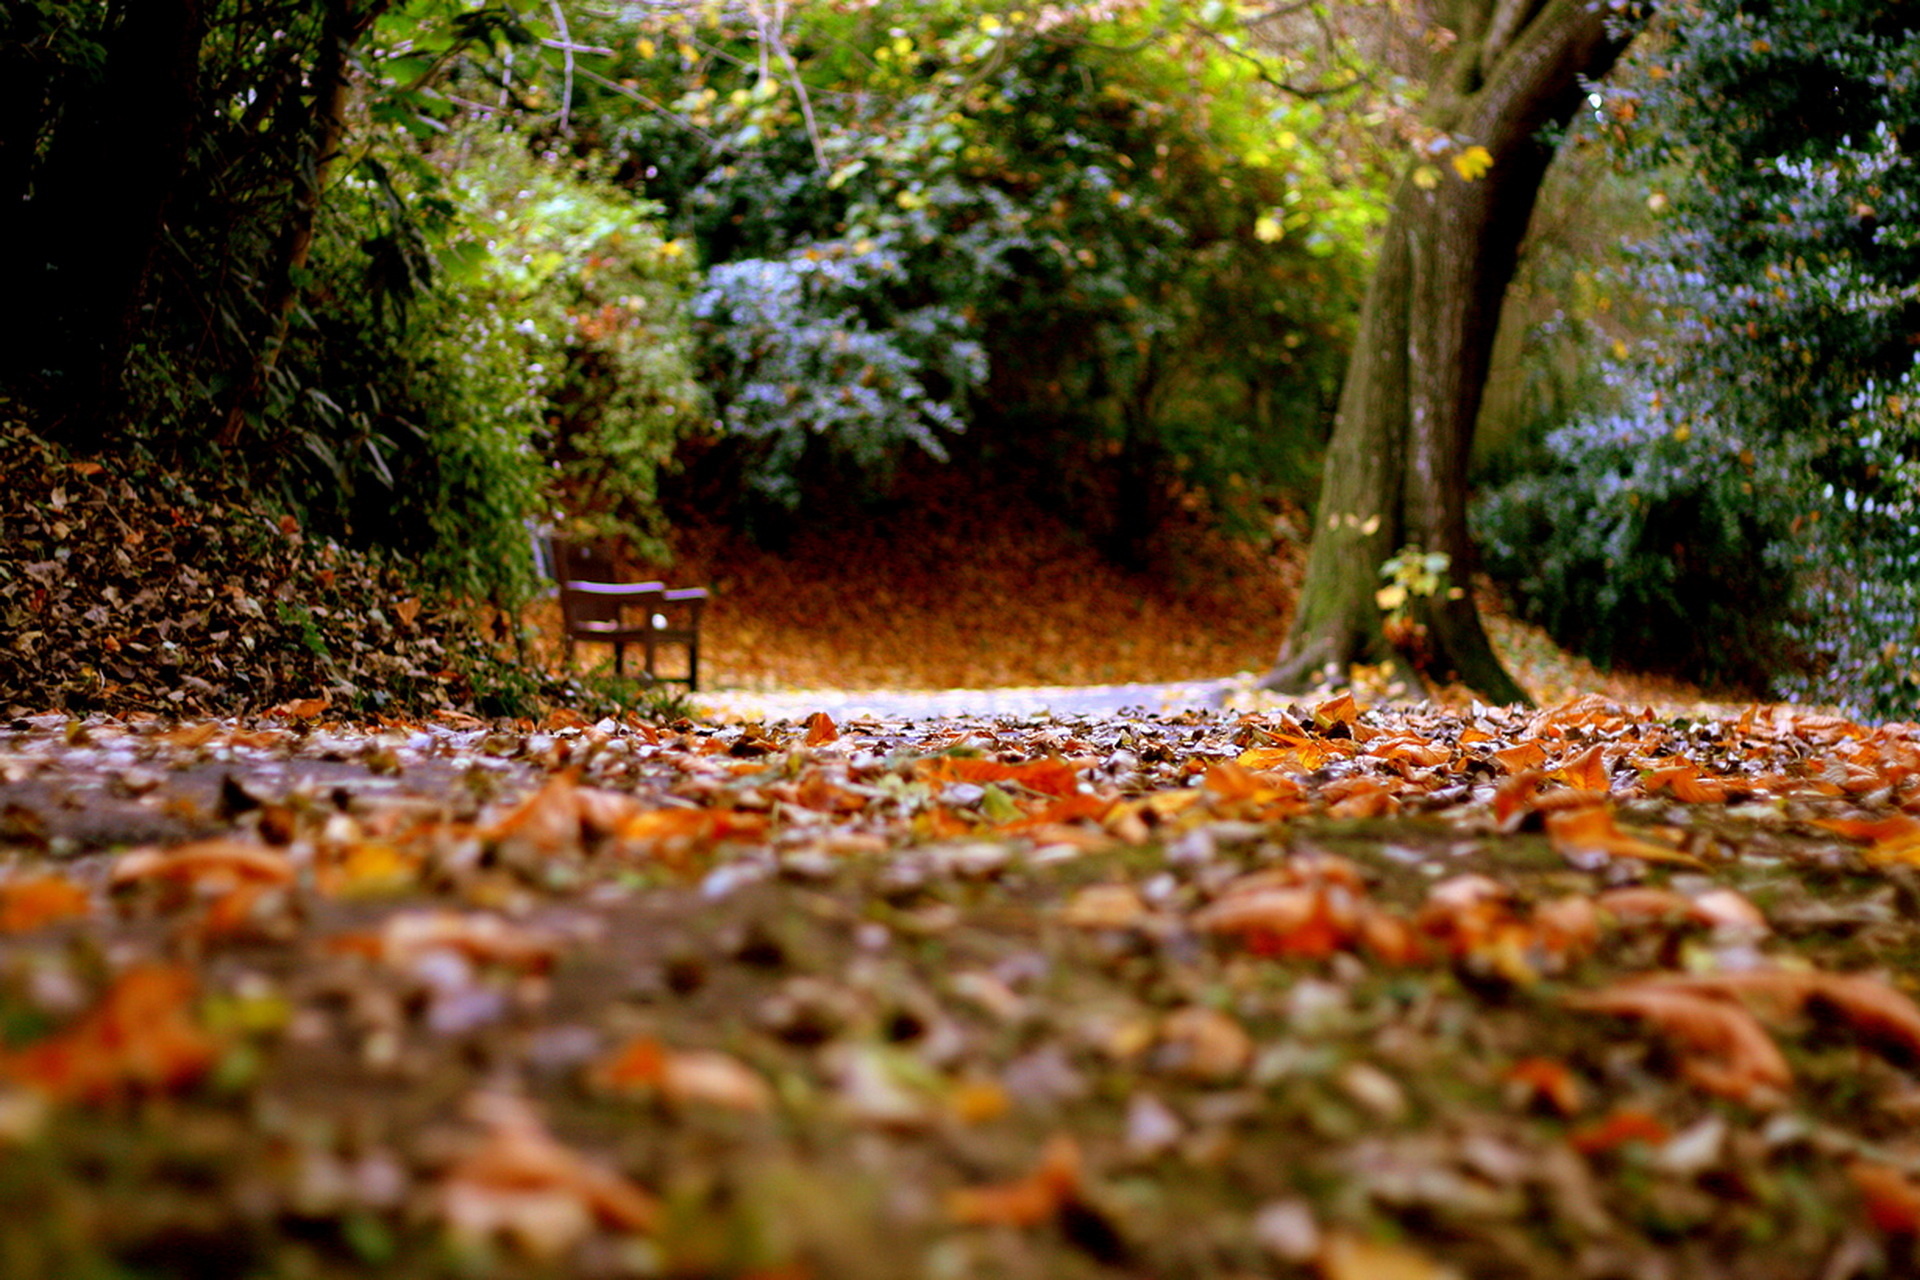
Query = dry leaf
x=1351 y=1257
x=1580 y=835
x=1890 y=1197
x=1546 y=1081
x=1027 y=1201
x=686 y=1076
x=522 y=1185
x=1104 y=906
x=142 y=1037
x=1722 y=1048
x=218 y=864
x=32 y=901
x=821 y=730
x=1621 y=1126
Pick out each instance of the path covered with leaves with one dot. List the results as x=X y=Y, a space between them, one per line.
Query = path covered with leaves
x=1322 y=991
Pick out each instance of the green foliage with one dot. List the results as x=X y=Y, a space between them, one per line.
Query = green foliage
x=1753 y=513
x=1067 y=234
x=1639 y=544
x=394 y=321
x=597 y=296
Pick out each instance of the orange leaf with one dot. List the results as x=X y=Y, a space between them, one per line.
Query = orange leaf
x=686 y=1076
x=1586 y=771
x=1304 y=758
x=1350 y=1257
x=1885 y=1018
x=1521 y=759
x=523 y=1184
x=1027 y=1201
x=821 y=730
x=32 y=901
x=219 y=863
x=1686 y=783
x=1045 y=777
x=1889 y=1196
x=140 y=1038
x=1514 y=796
x=1621 y=1126
x=1549 y=1081
x=1894 y=839
x=1723 y=1049
x=405 y=936
x=1577 y=834
x=302 y=708
x=545 y=823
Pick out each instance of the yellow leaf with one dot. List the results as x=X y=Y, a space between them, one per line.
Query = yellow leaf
x=1426 y=177
x=1390 y=597
x=1267 y=229
x=1473 y=163
x=1345 y=1257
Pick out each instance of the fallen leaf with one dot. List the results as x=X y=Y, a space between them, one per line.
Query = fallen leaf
x=1350 y=1257
x=218 y=863
x=1889 y=1195
x=821 y=730
x=1548 y=1081
x=32 y=901
x=1026 y=1201
x=1104 y=906
x=1891 y=840
x=522 y=1185
x=686 y=1076
x=1722 y=1048
x=1580 y=835
x=1206 y=1044
x=1620 y=1126
x=142 y=1037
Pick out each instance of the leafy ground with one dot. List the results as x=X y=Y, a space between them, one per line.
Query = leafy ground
x=1319 y=991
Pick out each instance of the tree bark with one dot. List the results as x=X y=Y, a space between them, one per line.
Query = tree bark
x=343 y=25
x=1396 y=468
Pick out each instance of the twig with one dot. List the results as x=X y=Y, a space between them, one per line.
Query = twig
x=566 y=52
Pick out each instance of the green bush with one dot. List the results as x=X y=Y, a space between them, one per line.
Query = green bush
x=1096 y=263
x=1752 y=512
x=1641 y=544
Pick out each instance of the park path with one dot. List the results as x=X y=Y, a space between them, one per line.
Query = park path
x=885 y=704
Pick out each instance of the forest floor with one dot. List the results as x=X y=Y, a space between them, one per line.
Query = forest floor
x=1340 y=988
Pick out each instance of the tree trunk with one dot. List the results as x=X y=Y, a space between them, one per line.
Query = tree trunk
x=343 y=25
x=1395 y=473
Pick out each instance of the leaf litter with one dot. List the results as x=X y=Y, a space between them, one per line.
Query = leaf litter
x=1323 y=991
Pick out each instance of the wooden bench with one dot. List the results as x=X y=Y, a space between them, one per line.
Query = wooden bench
x=595 y=607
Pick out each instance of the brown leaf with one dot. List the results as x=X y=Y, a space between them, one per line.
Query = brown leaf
x=1890 y=1197
x=522 y=1184
x=686 y=1076
x=32 y=901
x=821 y=730
x=141 y=1038
x=1026 y=1201
x=1722 y=1048
x=1580 y=834
x=219 y=863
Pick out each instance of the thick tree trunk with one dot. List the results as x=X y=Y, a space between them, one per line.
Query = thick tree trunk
x=1395 y=472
